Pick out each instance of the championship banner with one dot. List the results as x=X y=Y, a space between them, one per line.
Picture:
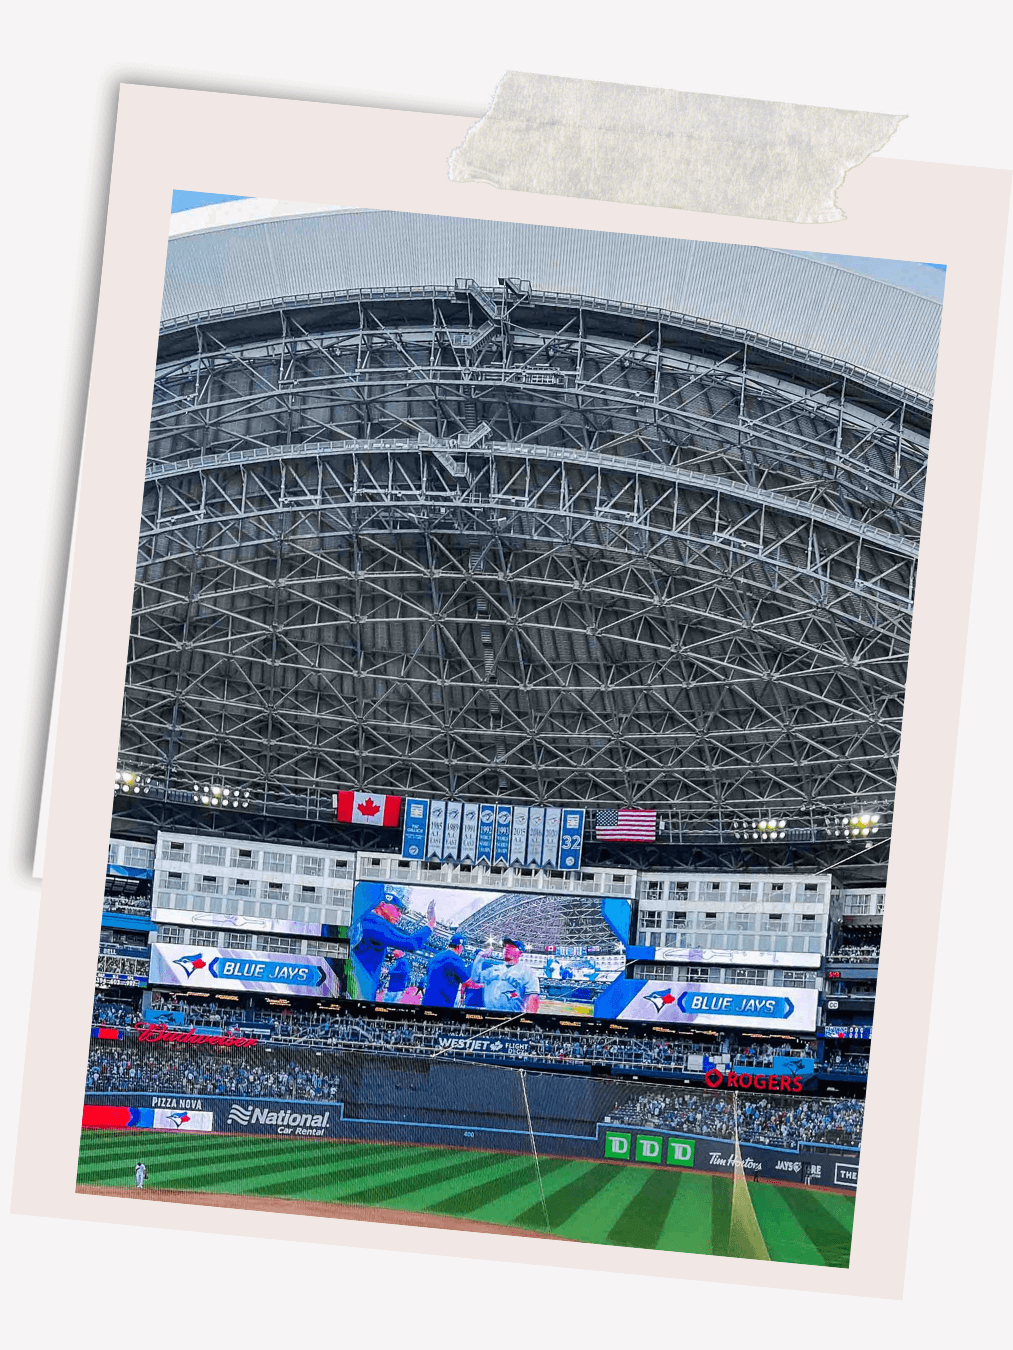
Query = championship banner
x=571 y=841
x=536 y=830
x=416 y=820
x=550 y=838
x=519 y=836
x=437 y=820
x=486 y=824
x=469 y=832
x=501 y=839
x=452 y=842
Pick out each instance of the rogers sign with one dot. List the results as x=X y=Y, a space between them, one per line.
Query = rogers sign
x=758 y=1082
x=161 y=1032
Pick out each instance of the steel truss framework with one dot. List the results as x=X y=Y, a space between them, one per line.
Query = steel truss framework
x=495 y=544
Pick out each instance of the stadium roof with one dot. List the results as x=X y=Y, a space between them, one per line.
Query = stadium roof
x=479 y=510
x=885 y=329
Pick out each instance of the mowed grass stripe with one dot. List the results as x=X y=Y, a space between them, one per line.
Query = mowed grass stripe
x=643 y=1220
x=288 y=1172
x=396 y=1176
x=527 y=1199
x=497 y=1192
x=721 y=1214
x=786 y=1239
x=564 y=1202
x=595 y=1217
x=436 y=1189
x=688 y=1224
x=345 y=1183
x=839 y=1205
x=191 y=1154
x=226 y=1164
x=828 y=1235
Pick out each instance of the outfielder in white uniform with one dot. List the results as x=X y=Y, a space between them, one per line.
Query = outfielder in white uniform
x=140 y=1172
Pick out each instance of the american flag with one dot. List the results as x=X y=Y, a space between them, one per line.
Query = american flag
x=626 y=825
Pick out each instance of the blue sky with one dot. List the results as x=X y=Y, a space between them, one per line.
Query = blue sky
x=186 y=201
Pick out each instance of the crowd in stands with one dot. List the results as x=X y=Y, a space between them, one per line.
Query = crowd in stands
x=838 y=1063
x=856 y=952
x=536 y=1046
x=768 y=1120
x=778 y=1121
x=124 y=1068
x=110 y=1013
x=127 y=904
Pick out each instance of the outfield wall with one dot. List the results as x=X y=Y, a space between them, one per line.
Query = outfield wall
x=596 y=1140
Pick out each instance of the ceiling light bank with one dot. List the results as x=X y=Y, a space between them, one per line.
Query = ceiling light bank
x=764 y=831
x=219 y=796
x=130 y=783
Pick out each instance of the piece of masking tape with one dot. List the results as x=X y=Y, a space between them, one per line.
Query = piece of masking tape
x=661 y=147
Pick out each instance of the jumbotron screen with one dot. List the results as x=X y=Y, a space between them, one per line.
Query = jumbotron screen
x=503 y=951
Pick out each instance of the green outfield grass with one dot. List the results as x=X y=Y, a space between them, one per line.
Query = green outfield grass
x=627 y=1206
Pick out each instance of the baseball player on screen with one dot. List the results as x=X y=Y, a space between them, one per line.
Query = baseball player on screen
x=508 y=986
x=377 y=931
x=140 y=1172
x=448 y=970
x=398 y=976
x=473 y=988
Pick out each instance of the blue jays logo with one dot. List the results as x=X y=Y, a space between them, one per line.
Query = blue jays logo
x=178 y=1118
x=660 y=998
x=191 y=963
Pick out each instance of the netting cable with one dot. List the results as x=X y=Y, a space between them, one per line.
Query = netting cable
x=534 y=1151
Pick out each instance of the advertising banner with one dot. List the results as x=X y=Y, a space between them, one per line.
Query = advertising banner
x=501 y=839
x=437 y=822
x=486 y=825
x=550 y=836
x=239 y=922
x=262 y=972
x=571 y=840
x=702 y=956
x=757 y=1007
x=452 y=840
x=416 y=819
x=519 y=836
x=469 y=832
x=718 y=1155
x=536 y=831
x=145 y=1118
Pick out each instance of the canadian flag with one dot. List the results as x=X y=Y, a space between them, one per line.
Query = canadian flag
x=369 y=808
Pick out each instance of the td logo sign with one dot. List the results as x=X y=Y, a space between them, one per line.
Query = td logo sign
x=648 y=1148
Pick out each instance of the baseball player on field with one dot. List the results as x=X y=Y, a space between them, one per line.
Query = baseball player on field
x=140 y=1172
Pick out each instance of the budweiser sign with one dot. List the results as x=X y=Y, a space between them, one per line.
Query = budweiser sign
x=161 y=1032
